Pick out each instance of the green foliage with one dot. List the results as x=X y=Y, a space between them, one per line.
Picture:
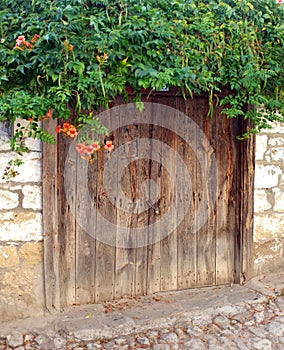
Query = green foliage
x=92 y=130
x=10 y=170
x=90 y=51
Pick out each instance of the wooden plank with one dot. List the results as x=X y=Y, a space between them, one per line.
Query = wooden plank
x=186 y=238
x=142 y=218
x=105 y=253
x=65 y=245
x=226 y=202
x=155 y=212
x=170 y=182
x=85 y=242
x=205 y=214
x=140 y=273
x=246 y=209
x=125 y=257
x=50 y=224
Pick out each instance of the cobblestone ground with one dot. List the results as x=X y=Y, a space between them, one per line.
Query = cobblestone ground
x=257 y=324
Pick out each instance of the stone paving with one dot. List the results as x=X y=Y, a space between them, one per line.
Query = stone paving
x=230 y=317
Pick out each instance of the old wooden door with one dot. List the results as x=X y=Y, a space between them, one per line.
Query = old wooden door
x=170 y=209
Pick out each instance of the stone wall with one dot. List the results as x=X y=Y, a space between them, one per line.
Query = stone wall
x=269 y=199
x=21 y=247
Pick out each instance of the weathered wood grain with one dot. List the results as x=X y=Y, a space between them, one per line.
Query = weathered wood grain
x=85 y=241
x=187 y=239
x=205 y=215
x=226 y=203
x=246 y=190
x=155 y=212
x=126 y=242
x=212 y=243
x=105 y=250
x=50 y=218
x=170 y=181
x=65 y=245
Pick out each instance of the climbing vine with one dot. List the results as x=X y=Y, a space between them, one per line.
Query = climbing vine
x=67 y=58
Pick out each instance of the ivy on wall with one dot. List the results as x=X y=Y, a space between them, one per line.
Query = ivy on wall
x=74 y=55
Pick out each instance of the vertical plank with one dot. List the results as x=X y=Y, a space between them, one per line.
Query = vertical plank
x=105 y=253
x=125 y=257
x=65 y=248
x=142 y=218
x=169 y=186
x=155 y=212
x=226 y=202
x=205 y=211
x=247 y=207
x=85 y=241
x=186 y=238
x=50 y=224
x=140 y=273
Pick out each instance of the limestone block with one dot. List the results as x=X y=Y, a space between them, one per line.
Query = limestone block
x=266 y=176
x=30 y=171
x=8 y=199
x=267 y=252
x=32 y=197
x=8 y=256
x=32 y=253
x=267 y=227
x=277 y=128
x=22 y=292
x=276 y=141
x=32 y=144
x=260 y=146
x=5 y=144
x=260 y=201
x=279 y=202
x=25 y=226
x=277 y=154
x=4 y=159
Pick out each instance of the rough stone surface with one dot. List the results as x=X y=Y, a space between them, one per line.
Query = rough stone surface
x=170 y=337
x=194 y=344
x=21 y=256
x=279 y=202
x=21 y=291
x=261 y=146
x=262 y=344
x=276 y=328
x=15 y=339
x=22 y=226
x=276 y=141
x=261 y=202
x=235 y=318
x=267 y=227
x=59 y=342
x=8 y=256
x=277 y=154
x=32 y=197
x=269 y=197
x=268 y=250
x=276 y=128
x=267 y=176
x=8 y=199
x=32 y=253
